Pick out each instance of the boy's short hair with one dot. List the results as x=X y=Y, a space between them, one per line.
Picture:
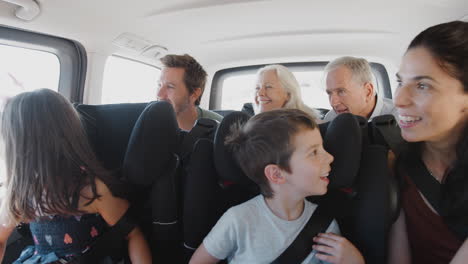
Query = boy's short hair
x=267 y=138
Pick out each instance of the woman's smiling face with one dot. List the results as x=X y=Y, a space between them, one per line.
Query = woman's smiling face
x=269 y=92
x=432 y=105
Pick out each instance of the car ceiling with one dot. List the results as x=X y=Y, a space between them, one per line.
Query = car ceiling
x=224 y=33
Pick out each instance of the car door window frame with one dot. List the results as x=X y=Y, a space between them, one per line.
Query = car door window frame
x=71 y=55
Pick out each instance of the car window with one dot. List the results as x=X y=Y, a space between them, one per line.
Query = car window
x=24 y=69
x=240 y=89
x=21 y=70
x=128 y=81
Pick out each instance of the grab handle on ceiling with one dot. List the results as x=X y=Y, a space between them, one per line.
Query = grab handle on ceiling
x=27 y=9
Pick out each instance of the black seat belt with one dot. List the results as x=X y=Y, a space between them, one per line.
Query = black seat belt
x=417 y=171
x=203 y=128
x=388 y=128
x=426 y=183
x=301 y=247
x=111 y=241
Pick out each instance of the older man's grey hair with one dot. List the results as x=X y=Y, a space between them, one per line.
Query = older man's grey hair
x=291 y=86
x=359 y=67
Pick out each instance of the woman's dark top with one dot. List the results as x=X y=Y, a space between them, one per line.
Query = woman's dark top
x=430 y=239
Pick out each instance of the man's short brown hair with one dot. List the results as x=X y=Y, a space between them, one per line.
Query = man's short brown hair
x=267 y=138
x=194 y=74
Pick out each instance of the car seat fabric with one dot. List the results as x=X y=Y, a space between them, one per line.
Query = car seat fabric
x=365 y=203
x=322 y=112
x=202 y=205
x=248 y=109
x=152 y=144
x=237 y=187
x=109 y=128
x=207 y=194
x=151 y=167
x=343 y=139
x=223 y=112
x=18 y=240
x=368 y=220
x=384 y=131
x=225 y=164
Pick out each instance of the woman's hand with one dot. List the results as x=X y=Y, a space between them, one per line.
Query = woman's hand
x=336 y=249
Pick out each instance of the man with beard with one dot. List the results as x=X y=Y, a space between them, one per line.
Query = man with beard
x=351 y=89
x=182 y=83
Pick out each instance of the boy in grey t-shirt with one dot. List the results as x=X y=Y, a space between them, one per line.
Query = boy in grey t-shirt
x=257 y=233
x=282 y=152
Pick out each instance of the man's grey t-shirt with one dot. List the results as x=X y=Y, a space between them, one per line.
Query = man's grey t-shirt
x=203 y=113
x=251 y=233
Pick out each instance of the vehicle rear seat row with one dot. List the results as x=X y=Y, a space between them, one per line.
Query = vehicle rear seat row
x=179 y=200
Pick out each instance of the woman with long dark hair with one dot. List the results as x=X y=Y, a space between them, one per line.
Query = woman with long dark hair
x=55 y=183
x=432 y=104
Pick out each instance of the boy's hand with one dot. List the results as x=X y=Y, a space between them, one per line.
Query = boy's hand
x=338 y=248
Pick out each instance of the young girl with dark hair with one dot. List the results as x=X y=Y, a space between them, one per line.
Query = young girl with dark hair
x=55 y=183
x=432 y=104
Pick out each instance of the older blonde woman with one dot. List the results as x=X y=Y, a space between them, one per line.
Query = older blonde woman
x=278 y=88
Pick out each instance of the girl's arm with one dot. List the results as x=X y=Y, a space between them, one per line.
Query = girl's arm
x=399 y=250
x=201 y=256
x=5 y=232
x=462 y=254
x=112 y=208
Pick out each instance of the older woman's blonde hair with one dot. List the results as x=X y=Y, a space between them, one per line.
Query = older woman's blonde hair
x=292 y=88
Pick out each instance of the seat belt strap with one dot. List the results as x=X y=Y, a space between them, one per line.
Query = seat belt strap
x=112 y=240
x=388 y=127
x=301 y=247
x=202 y=129
x=426 y=183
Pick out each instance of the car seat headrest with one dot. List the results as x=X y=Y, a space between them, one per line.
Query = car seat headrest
x=343 y=140
x=248 y=109
x=152 y=144
x=225 y=164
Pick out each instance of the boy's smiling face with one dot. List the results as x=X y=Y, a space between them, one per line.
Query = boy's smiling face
x=309 y=164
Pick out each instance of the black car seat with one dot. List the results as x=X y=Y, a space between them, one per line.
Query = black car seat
x=18 y=240
x=223 y=112
x=109 y=128
x=364 y=203
x=249 y=109
x=322 y=112
x=206 y=196
x=158 y=158
x=151 y=167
